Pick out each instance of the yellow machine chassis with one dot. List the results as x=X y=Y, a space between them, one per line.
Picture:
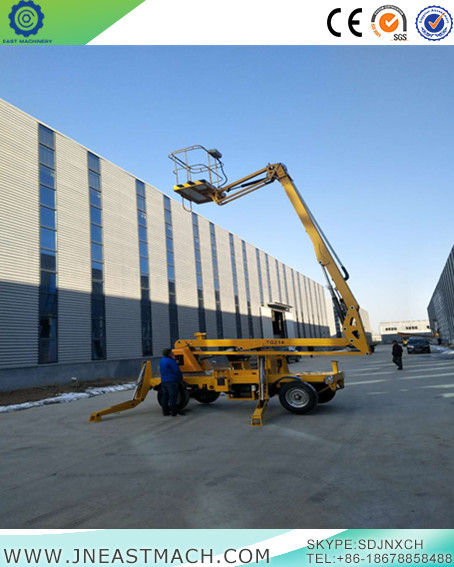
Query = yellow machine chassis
x=223 y=380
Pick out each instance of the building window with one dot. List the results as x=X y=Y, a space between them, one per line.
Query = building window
x=145 y=301
x=217 y=291
x=48 y=292
x=198 y=270
x=279 y=290
x=268 y=277
x=235 y=288
x=173 y=309
x=248 y=292
x=98 y=303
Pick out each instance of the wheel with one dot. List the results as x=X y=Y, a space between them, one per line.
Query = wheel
x=205 y=396
x=182 y=400
x=298 y=397
x=325 y=396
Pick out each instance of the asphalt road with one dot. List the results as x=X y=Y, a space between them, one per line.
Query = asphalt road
x=377 y=456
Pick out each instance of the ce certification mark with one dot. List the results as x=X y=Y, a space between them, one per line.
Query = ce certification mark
x=352 y=22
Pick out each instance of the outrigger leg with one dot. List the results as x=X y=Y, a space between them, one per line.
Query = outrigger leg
x=257 y=416
x=140 y=393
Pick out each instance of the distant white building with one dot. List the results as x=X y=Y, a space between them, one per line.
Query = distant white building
x=389 y=330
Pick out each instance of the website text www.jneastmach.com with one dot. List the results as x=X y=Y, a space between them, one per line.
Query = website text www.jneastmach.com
x=129 y=556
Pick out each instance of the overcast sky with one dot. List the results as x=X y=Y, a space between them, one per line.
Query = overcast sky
x=366 y=133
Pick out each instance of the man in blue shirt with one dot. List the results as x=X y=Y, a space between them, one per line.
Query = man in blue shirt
x=171 y=378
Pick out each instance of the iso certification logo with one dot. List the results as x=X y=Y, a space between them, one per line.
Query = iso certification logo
x=389 y=22
x=434 y=23
x=26 y=18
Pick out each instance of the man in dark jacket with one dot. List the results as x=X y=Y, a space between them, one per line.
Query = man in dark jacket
x=397 y=355
x=171 y=378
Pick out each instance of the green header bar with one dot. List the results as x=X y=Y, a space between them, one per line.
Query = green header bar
x=59 y=22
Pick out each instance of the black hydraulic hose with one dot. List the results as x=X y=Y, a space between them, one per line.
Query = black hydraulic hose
x=339 y=305
x=328 y=244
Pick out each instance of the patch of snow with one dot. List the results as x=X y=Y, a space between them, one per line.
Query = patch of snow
x=442 y=349
x=69 y=397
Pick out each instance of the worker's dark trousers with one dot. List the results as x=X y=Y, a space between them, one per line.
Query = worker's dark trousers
x=169 y=397
x=398 y=360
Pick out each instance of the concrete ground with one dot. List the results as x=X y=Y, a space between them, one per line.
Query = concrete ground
x=378 y=456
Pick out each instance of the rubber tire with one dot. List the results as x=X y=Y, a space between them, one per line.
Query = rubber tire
x=182 y=400
x=205 y=396
x=326 y=396
x=304 y=397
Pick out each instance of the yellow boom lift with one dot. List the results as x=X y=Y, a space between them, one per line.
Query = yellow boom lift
x=256 y=369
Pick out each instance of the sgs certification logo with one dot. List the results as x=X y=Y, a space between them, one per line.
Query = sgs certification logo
x=390 y=23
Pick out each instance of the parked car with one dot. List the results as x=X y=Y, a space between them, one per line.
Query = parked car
x=292 y=357
x=417 y=345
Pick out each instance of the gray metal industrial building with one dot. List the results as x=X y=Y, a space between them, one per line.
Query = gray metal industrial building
x=441 y=306
x=99 y=269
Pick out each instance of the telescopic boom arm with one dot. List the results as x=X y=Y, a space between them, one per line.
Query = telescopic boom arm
x=203 y=191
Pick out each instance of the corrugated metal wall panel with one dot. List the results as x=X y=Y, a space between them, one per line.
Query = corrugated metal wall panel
x=241 y=285
x=292 y=299
x=185 y=271
x=19 y=262
x=330 y=316
x=273 y=277
x=121 y=258
x=299 y=302
x=207 y=277
x=310 y=307
x=287 y=290
x=308 y=318
x=19 y=236
x=304 y=306
x=315 y=307
x=441 y=305
x=323 y=315
x=73 y=258
x=254 y=287
x=158 y=270
x=226 y=282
